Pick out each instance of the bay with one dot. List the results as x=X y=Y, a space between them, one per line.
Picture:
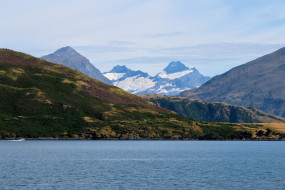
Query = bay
x=52 y=164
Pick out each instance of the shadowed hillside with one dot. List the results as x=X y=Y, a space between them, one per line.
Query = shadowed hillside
x=212 y=111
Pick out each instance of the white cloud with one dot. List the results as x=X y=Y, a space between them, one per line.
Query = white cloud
x=213 y=35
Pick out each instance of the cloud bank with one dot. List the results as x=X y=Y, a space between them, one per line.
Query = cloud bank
x=212 y=35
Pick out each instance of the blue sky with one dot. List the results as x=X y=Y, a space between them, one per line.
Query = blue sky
x=211 y=35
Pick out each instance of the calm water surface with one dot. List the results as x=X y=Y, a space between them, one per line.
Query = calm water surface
x=142 y=165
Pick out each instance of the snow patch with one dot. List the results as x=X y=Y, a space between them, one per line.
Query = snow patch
x=135 y=84
x=165 y=85
x=114 y=76
x=172 y=90
x=174 y=75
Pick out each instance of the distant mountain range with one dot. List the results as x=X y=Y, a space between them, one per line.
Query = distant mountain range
x=175 y=78
x=40 y=99
x=212 y=111
x=69 y=57
x=259 y=83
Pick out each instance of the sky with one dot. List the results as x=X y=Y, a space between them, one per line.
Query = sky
x=211 y=35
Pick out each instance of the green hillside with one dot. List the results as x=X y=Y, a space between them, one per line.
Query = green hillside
x=39 y=99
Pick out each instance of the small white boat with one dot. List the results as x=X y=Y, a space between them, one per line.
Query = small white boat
x=17 y=140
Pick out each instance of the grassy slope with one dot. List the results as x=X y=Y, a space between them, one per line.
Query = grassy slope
x=213 y=111
x=42 y=99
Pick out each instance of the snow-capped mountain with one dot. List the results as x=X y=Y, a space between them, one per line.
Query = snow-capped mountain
x=129 y=80
x=175 y=78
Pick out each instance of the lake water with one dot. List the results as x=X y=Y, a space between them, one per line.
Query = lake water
x=142 y=165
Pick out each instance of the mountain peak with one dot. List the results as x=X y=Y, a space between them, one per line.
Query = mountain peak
x=65 y=51
x=69 y=57
x=120 y=69
x=128 y=72
x=175 y=66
